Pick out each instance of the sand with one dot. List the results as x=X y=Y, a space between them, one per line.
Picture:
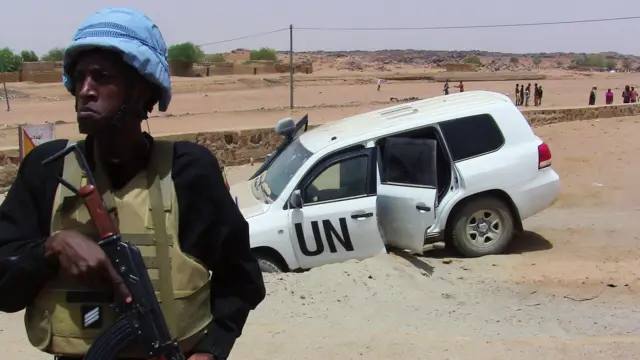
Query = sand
x=566 y=289
x=217 y=103
x=531 y=303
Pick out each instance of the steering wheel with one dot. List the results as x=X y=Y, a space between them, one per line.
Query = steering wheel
x=311 y=193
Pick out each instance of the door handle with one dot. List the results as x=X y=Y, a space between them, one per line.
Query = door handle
x=361 y=216
x=422 y=207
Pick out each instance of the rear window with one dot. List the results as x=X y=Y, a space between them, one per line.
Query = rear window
x=471 y=136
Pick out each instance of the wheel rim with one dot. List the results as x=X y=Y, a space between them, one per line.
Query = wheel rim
x=484 y=228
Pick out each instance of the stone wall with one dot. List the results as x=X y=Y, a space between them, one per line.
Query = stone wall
x=257 y=67
x=9 y=77
x=38 y=66
x=9 y=160
x=551 y=116
x=38 y=77
x=298 y=68
x=41 y=72
x=42 y=77
x=243 y=146
x=254 y=68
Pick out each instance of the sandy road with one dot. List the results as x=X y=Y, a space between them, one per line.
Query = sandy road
x=207 y=104
x=532 y=303
x=567 y=289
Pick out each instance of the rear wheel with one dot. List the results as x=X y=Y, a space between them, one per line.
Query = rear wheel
x=482 y=227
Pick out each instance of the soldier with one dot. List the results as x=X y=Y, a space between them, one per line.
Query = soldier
x=116 y=67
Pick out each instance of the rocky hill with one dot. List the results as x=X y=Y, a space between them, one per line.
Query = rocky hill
x=488 y=61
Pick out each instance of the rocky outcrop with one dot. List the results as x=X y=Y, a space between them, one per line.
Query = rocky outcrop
x=489 y=61
x=243 y=146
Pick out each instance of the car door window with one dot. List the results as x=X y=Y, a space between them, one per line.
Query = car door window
x=345 y=178
x=471 y=136
x=409 y=161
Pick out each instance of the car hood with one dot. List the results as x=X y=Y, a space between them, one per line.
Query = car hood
x=248 y=204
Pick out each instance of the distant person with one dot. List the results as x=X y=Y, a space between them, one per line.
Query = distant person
x=446 y=87
x=379 y=84
x=539 y=95
x=626 y=95
x=522 y=94
x=527 y=95
x=517 y=94
x=608 y=97
x=634 y=95
x=460 y=86
x=535 y=94
x=592 y=96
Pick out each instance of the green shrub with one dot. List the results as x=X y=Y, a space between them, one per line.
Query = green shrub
x=55 y=54
x=28 y=56
x=186 y=52
x=9 y=61
x=472 y=60
x=264 y=54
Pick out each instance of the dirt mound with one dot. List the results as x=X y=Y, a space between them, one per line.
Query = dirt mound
x=387 y=307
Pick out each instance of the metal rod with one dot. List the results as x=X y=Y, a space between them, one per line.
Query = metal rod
x=291 y=68
x=68 y=185
x=6 y=95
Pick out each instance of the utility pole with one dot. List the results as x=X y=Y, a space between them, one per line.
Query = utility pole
x=291 y=69
x=6 y=95
x=4 y=84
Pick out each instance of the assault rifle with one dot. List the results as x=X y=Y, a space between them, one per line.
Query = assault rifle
x=142 y=318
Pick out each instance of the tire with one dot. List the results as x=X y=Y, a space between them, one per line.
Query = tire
x=268 y=265
x=485 y=239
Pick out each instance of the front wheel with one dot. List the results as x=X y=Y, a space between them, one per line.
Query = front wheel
x=269 y=265
x=482 y=227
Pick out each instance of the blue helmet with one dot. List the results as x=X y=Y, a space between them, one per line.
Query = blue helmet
x=131 y=33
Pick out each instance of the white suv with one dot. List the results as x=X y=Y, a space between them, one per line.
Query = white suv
x=464 y=168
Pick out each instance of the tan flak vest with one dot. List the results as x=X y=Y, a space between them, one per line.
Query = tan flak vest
x=146 y=212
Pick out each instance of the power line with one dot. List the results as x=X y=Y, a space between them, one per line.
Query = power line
x=469 y=26
x=452 y=27
x=245 y=37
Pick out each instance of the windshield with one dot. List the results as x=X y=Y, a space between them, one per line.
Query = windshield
x=276 y=178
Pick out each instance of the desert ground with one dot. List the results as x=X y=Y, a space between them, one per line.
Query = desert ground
x=566 y=289
x=233 y=102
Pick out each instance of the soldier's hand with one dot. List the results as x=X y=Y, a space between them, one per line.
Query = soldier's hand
x=82 y=258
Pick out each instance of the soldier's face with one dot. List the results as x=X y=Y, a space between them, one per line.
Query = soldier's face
x=99 y=89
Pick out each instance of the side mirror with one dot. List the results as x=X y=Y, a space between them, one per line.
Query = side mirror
x=285 y=127
x=296 y=200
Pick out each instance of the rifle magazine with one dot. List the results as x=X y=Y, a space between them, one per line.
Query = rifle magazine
x=112 y=341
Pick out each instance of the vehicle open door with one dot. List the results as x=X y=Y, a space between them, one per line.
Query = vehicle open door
x=407 y=191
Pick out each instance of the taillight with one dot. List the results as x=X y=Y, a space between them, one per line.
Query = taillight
x=544 y=156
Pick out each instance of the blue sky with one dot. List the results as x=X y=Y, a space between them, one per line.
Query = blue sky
x=41 y=25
